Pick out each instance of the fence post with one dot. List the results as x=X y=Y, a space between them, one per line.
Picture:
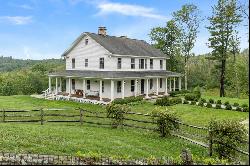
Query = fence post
x=3 y=115
x=210 y=143
x=81 y=116
x=42 y=114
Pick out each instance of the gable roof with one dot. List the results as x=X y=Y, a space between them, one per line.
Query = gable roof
x=121 y=46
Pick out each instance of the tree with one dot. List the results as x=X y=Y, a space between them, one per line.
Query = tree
x=188 y=20
x=167 y=40
x=226 y=17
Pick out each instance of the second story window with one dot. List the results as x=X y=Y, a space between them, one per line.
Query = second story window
x=73 y=63
x=141 y=63
x=101 y=63
x=88 y=84
x=146 y=65
x=161 y=64
x=119 y=86
x=119 y=63
x=86 y=41
x=86 y=62
x=132 y=63
x=151 y=63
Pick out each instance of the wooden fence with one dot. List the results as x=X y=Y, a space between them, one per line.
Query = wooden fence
x=195 y=134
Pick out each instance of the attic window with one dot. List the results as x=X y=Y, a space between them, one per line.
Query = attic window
x=86 y=41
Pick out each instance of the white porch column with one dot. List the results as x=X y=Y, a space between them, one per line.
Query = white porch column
x=56 y=86
x=170 y=84
x=49 y=84
x=179 y=83
x=157 y=86
x=123 y=93
x=174 y=83
x=60 y=89
x=166 y=86
x=147 y=88
x=84 y=88
x=100 y=90
x=136 y=85
x=112 y=90
x=69 y=87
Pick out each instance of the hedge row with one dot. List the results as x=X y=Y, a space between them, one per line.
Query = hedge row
x=166 y=101
x=127 y=100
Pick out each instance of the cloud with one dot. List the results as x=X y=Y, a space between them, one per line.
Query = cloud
x=25 y=6
x=128 y=10
x=17 y=20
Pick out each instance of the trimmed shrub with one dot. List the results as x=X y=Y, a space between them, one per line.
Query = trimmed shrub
x=191 y=97
x=227 y=134
x=176 y=100
x=226 y=103
x=238 y=109
x=203 y=100
x=209 y=105
x=193 y=102
x=163 y=101
x=218 y=102
x=218 y=106
x=245 y=109
x=116 y=113
x=197 y=91
x=127 y=100
x=211 y=101
x=166 y=121
x=244 y=105
x=236 y=104
x=201 y=103
x=228 y=107
x=185 y=102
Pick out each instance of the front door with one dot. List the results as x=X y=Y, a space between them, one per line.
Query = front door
x=142 y=86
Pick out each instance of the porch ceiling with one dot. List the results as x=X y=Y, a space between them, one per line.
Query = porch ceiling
x=114 y=74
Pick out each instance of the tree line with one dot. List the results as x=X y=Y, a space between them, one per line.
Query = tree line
x=178 y=37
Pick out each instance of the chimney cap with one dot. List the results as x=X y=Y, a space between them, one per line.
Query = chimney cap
x=102 y=30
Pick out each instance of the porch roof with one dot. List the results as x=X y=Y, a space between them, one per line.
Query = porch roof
x=114 y=74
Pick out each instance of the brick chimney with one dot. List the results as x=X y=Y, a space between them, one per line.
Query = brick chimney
x=102 y=31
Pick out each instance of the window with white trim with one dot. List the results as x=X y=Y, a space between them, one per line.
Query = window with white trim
x=161 y=64
x=132 y=85
x=151 y=83
x=86 y=41
x=141 y=63
x=101 y=63
x=132 y=63
x=119 y=63
x=88 y=84
x=86 y=62
x=119 y=86
x=151 y=63
x=73 y=63
x=160 y=82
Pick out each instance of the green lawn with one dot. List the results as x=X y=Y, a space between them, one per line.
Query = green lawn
x=63 y=138
x=68 y=139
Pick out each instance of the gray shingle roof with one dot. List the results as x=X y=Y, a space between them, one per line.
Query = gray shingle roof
x=121 y=46
x=114 y=74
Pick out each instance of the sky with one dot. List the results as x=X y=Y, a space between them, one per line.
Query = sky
x=44 y=29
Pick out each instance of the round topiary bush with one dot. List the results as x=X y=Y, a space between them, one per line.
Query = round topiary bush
x=218 y=106
x=228 y=107
x=203 y=100
x=209 y=105
x=201 y=103
x=236 y=104
x=244 y=105
x=218 y=102
x=226 y=103
x=238 y=109
x=193 y=102
x=185 y=102
x=245 y=109
x=211 y=101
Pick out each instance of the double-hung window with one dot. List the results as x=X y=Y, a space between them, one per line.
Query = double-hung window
x=73 y=63
x=119 y=63
x=101 y=63
x=160 y=82
x=151 y=83
x=86 y=62
x=119 y=86
x=132 y=85
x=132 y=63
x=88 y=84
x=146 y=65
x=141 y=63
x=151 y=63
x=161 y=64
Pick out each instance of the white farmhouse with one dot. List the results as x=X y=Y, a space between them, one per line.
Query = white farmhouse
x=101 y=67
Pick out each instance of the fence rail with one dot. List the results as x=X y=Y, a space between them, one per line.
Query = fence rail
x=195 y=134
